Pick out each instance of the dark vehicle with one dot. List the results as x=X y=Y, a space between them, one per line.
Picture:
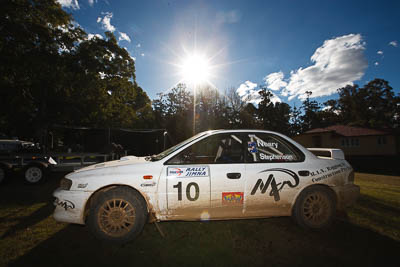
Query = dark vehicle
x=8 y=147
x=17 y=155
x=25 y=155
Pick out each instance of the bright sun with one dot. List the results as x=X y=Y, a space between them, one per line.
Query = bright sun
x=195 y=69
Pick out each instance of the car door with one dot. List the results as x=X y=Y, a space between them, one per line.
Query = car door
x=188 y=184
x=273 y=173
x=206 y=177
x=228 y=176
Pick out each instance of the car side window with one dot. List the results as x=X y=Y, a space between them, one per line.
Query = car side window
x=270 y=148
x=216 y=149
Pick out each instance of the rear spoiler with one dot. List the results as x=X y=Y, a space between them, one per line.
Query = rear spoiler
x=333 y=153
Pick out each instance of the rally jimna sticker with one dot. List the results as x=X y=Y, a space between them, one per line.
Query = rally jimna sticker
x=183 y=172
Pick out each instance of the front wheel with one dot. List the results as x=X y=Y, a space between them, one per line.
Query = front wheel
x=117 y=215
x=315 y=208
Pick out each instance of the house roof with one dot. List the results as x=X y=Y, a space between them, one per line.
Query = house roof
x=348 y=131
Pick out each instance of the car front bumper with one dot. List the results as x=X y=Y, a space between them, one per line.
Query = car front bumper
x=70 y=206
x=346 y=195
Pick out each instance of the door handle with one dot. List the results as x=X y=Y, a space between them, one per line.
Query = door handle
x=234 y=175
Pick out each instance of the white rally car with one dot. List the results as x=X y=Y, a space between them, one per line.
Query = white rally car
x=221 y=174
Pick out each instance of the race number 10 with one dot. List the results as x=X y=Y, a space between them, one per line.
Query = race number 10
x=188 y=194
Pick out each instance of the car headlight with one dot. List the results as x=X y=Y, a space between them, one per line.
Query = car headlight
x=65 y=184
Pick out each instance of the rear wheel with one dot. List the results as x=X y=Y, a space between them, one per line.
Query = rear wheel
x=315 y=208
x=118 y=215
x=34 y=174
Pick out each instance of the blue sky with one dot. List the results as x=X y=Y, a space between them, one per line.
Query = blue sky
x=289 y=46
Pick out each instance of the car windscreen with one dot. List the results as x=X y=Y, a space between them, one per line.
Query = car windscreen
x=176 y=147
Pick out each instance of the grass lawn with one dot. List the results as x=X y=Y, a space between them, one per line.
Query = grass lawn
x=378 y=207
x=29 y=236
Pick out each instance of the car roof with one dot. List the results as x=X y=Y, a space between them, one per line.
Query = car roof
x=240 y=130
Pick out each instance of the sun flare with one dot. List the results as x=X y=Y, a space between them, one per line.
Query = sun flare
x=195 y=69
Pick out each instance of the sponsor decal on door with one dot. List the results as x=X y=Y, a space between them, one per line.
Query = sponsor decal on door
x=195 y=171
x=229 y=198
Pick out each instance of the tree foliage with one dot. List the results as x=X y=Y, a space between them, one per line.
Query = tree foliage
x=374 y=105
x=51 y=73
x=273 y=116
x=311 y=117
x=173 y=111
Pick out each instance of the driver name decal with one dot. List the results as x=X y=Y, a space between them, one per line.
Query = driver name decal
x=292 y=180
x=198 y=171
x=261 y=143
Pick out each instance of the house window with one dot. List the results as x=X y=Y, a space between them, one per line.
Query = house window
x=381 y=140
x=350 y=142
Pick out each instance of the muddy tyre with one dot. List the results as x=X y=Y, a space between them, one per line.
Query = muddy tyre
x=117 y=215
x=34 y=174
x=315 y=208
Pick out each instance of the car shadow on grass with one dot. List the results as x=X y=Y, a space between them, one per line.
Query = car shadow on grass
x=18 y=192
x=377 y=214
x=262 y=242
x=27 y=221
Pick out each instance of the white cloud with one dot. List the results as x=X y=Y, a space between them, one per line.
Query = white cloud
x=249 y=93
x=380 y=52
x=274 y=81
x=69 y=3
x=376 y=63
x=138 y=45
x=231 y=16
x=91 y=36
x=245 y=87
x=106 y=22
x=393 y=43
x=329 y=108
x=326 y=108
x=124 y=36
x=91 y=2
x=142 y=54
x=337 y=63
